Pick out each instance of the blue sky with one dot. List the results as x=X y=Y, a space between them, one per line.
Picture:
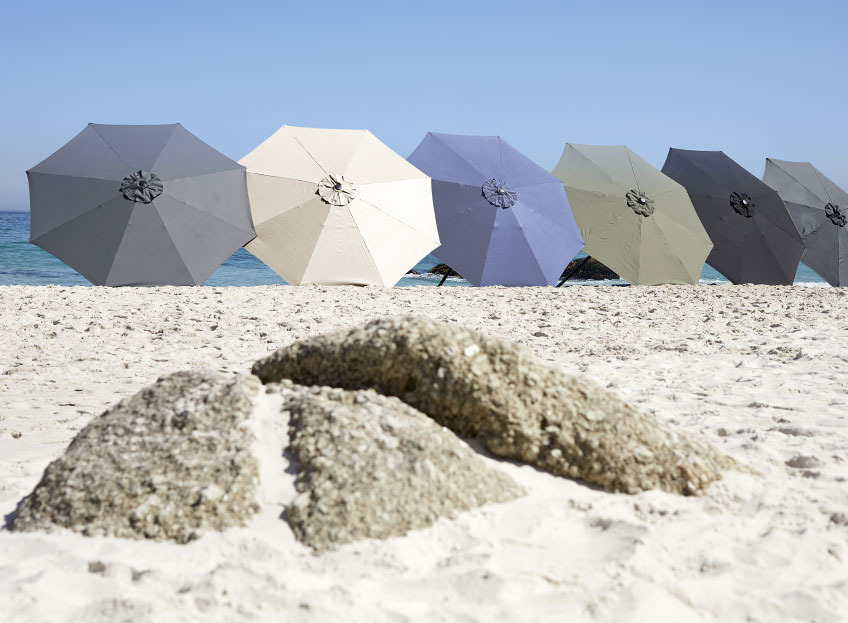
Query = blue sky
x=753 y=78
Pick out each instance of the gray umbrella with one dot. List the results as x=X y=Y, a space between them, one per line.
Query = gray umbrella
x=753 y=235
x=819 y=209
x=139 y=205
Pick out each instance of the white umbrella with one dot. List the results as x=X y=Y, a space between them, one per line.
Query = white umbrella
x=337 y=207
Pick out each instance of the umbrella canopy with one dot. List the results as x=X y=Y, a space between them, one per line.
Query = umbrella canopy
x=139 y=205
x=503 y=219
x=819 y=209
x=337 y=207
x=635 y=220
x=755 y=240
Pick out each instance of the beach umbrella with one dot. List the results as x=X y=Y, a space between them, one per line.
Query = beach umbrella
x=139 y=205
x=819 y=209
x=754 y=237
x=337 y=207
x=503 y=219
x=634 y=219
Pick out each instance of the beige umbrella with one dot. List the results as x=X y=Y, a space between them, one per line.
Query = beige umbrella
x=635 y=220
x=337 y=207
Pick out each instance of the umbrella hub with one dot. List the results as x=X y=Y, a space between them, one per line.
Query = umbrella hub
x=141 y=187
x=640 y=203
x=742 y=204
x=836 y=216
x=499 y=193
x=336 y=190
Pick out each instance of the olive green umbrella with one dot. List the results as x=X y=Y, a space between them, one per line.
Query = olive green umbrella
x=635 y=220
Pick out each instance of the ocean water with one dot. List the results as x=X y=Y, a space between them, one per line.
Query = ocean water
x=22 y=263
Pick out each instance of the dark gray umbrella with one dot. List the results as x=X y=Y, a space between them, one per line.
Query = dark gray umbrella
x=139 y=205
x=819 y=209
x=753 y=235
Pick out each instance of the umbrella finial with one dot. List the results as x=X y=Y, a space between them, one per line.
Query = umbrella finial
x=742 y=204
x=141 y=187
x=836 y=216
x=640 y=203
x=336 y=190
x=499 y=193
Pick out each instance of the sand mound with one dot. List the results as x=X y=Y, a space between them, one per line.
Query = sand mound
x=371 y=466
x=167 y=463
x=501 y=394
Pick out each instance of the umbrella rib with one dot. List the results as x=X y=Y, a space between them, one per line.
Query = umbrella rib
x=188 y=177
x=681 y=225
x=766 y=193
x=81 y=177
x=804 y=186
x=188 y=205
x=556 y=226
x=639 y=246
x=672 y=190
x=741 y=248
x=595 y=167
x=797 y=181
x=835 y=259
x=766 y=238
x=112 y=149
x=674 y=252
x=118 y=247
x=365 y=243
x=622 y=212
x=312 y=252
x=500 y=157
x=461 y=157
x=554 y=180
x=553 y=224
x=824 y=188
x=278 y=177
x=695 y=164
x=632 y=168
x=303 y=147
x=391 y=216
x=817 y=227
x=447 y=223
x=165 y=146
x=77 y=217
x=533 y=255
x=740 y=179
x=486 y=250
x=174 y=244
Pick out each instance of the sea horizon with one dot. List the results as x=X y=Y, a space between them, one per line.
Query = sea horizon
x=23 y=263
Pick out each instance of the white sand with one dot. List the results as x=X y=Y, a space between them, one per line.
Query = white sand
x=761 y=372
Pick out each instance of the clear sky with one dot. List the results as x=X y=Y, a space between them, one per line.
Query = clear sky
x=752 y=78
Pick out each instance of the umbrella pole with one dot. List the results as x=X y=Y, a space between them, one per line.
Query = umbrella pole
x=448 y=273
x=576 y=268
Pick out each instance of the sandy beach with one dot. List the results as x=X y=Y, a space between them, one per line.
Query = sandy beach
x=759 y=371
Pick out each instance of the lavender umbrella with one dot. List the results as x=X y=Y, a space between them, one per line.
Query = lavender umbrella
x=503 y=219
